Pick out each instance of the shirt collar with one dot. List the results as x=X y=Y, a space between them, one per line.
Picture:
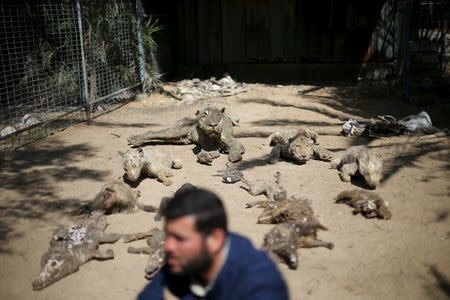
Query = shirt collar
x=200 y=290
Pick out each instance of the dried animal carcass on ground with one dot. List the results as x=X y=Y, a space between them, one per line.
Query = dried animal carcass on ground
x=298 y=145
x=211 y=131
x=367 y=203
x=155 y=249
x=283 y=240
x=115 y=197
x=293 y=209
x=297 y=228
x=164 y=200
x=149 y=162
x=359 y=160
x=352 y=128
x=386 y=125
x=273 y=190
x=282 y=137
x=231 y=174
x=196 y=89
x=72 y=247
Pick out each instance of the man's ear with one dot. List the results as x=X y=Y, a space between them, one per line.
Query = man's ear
x=216 y=240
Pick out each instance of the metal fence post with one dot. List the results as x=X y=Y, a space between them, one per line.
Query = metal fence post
x=442 y=51
x=406 y=49
x=141 y=53
x=83 y=65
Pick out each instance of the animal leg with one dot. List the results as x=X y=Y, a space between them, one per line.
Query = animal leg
x=236 y=149
x=140 y=235
x=206 y=157
x=162 y=206
x=104 y=254
x=323 y=154
x=164 y=177
x=155 y=262
x=254 y=203
x=275 y=154
x=140 y=250
x=178 y=132
x=347 y=171
x=271 y=216
x=313 y=243
x=253 y=189
x=147 y=207
x=107 y=237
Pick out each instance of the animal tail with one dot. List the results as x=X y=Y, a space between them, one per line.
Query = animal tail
x=83 y=210
x=308 y=228
x=147 y=207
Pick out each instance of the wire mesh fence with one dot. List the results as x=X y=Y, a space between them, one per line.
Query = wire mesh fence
x=428 y=77
x=430 y=32
x=61 y=63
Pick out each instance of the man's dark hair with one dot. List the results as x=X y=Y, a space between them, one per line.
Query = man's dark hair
x=205 y=206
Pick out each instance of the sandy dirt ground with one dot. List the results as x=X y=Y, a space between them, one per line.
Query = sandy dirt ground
x=407 y=257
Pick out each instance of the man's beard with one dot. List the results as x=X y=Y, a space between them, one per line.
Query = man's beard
x=197 y=265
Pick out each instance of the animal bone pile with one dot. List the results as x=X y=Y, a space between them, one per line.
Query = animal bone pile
x=297 y=226
x=211 y=131
x=26 y=121
x=72 y=247
x=196 y=89
x=386 y=125
x=299 y=145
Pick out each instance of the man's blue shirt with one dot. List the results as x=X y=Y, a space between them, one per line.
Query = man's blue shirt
x=247 y=273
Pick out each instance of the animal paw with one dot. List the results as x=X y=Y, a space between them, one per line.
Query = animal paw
x=134 y=140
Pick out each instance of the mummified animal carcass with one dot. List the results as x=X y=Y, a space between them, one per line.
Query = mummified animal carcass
x=298 y=145
x=231 y=174
x=274 y=191
x=367 y=203
x=297 y=228
x=149 y=162
x=116 y=197
x=283 y=241
x=359 y=160
x=211 y=131
x=72 y=247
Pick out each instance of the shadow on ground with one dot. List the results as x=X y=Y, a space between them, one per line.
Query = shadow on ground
x=30 y=179
x=409 y=154
x=441 y=283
